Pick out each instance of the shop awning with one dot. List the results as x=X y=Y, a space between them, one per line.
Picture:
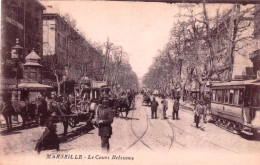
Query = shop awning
x=34 y=86
x=255 y=82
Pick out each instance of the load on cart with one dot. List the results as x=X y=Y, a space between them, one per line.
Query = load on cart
x=88 y=95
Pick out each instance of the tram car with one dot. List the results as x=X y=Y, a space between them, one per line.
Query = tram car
x=235 y=106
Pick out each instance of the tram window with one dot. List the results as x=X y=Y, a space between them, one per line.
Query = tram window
x=219 y=96
x=241 y=97
x=247 y=96
x=222 y=98
x=213 y=95
x=231 y=96
x=236 y=96
x=226 y=96
x=256 y=97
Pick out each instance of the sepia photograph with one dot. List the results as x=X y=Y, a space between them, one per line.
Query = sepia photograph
x=130 y=82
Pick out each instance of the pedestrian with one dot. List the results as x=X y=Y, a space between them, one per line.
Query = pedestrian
x=42 y=109
x=165 y=106
x=124 y=104
x=49 y=138
x=7 y=111
x=204 y=115
x=200 y=114
x=195 y=104
x=175 y=111
x=104 y=120
x=154 y=105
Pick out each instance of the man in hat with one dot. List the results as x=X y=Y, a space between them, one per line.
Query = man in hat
x=49 y=138
x=175 y=109
x=104 y=120
x=200 y=114
x=165 y=106
x=154 y=105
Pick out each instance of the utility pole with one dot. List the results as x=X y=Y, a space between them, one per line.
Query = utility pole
x=108 y=48
x=118 y=66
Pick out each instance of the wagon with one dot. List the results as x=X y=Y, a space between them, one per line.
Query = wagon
x=87 y=100
x=146 y=100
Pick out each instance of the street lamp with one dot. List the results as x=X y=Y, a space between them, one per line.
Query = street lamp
x=16 y=55
x=17 y=51
x=64 y=78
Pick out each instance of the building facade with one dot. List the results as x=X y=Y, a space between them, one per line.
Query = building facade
x=65 y=49
x=255 y=56
x=20 y=19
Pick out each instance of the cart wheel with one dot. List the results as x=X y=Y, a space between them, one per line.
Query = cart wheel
x=72 y=122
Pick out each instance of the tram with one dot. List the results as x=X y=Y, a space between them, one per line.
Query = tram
x=235 y=106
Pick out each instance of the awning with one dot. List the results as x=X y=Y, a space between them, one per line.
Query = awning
x=255 y=82
x=34 y=86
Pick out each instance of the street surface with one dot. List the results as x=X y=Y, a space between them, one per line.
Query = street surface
x=138 y=133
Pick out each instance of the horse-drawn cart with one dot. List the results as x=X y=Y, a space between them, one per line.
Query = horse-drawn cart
x=146 y=100
x=86 y=101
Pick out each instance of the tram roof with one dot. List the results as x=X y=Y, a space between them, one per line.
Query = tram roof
x=255 y=82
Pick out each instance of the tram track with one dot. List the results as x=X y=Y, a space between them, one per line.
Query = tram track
x=172 y=137
x=148 y=121
x=182 y=130
x=139 y=138
x=197 y=137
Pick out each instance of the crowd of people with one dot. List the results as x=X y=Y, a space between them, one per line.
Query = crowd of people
x=47 y=110
x=200 y=109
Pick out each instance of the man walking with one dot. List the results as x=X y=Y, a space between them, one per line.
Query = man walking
x=200 y=114
x=104 y=120
x=165 y=106
x=175 y=109
x=154 y=105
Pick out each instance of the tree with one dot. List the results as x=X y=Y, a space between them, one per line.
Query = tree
x=53 y=68
x=201 y=47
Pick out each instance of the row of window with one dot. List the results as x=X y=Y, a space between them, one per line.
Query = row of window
x=228 y=96
x=250 y=96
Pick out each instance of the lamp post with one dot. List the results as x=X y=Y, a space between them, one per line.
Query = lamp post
x=64 y=78
x=16 y=55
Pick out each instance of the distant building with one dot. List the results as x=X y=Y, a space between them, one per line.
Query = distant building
x=64 y=47
x=20 y=19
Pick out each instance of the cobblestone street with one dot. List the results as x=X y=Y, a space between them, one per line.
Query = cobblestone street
x=138 y=133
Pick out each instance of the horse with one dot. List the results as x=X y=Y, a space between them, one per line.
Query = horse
x=59 y=110
x=26 y=110
x=7 y=111
x=131 y=100
x=121 y=105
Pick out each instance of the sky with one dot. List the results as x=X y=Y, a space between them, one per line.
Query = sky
x=141 y=28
